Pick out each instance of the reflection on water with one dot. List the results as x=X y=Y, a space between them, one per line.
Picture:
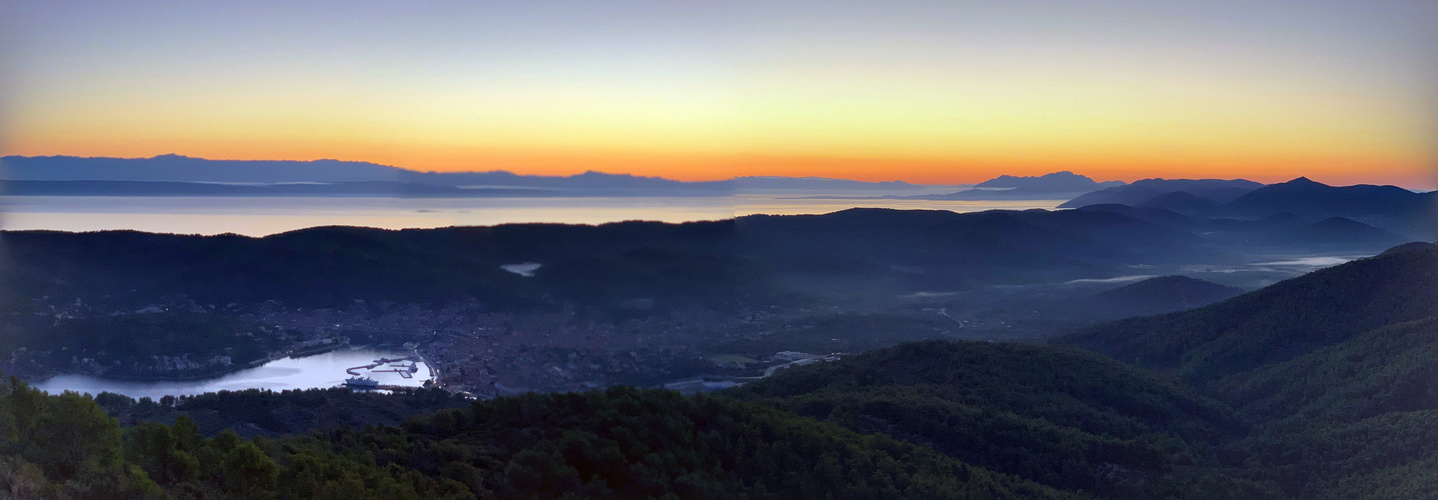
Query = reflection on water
x=318 y=371
x=259 y=216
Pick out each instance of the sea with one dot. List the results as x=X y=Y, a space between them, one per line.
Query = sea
x=262 y=216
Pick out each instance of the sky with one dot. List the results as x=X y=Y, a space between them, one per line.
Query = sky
x=932 y=92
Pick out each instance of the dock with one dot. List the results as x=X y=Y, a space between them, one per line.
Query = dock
x=397 y=366
x=406 y=367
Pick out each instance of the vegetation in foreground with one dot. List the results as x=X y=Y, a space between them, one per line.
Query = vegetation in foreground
x=621 y=443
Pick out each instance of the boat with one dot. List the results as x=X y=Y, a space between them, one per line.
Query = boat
x=361 y=383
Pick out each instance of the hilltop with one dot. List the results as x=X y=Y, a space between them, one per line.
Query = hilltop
x=1141 y=191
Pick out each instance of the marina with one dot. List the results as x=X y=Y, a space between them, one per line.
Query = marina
x=406 y=368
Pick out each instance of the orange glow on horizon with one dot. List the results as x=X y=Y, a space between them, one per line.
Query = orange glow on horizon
x=712 y=167
x=923 y=92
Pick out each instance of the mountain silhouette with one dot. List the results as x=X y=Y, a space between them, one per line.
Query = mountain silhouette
x=1222 y=191
x=123 y=177
x=1160 y=295
x=1280 y=322
x=1315 y=200
x=1055 y=186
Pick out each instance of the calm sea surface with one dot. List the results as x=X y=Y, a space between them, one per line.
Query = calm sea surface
x=318 y=371
x=260 y=216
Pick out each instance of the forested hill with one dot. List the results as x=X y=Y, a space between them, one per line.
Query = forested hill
x=1317 y=387
x=1279 y=322
x=754 y=259
x=621 y=443
x=862 y=254
x=1062 y=417
x=1334 y=371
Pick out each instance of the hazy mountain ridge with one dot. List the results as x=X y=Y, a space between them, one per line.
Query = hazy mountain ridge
x=1063 y=181
x=706 y=261
x=176 y=174
x=1280 y=322
x=171 y=188
x=1140 y=191
x=1334 y=215
x=1061 y=417
x=1161 y=295
x=1053 y=186
x=1389 y=207
x=178 y=168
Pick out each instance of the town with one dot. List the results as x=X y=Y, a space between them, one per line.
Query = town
x=481 y=352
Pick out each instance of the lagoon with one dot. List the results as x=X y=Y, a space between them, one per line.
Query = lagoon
x=311 y=372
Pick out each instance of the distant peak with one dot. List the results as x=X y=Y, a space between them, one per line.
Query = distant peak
x=1061 y=173
x=1054 y=181
x=595 y=174
x=171 y=156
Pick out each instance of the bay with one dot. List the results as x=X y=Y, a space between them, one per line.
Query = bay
x=311 y=372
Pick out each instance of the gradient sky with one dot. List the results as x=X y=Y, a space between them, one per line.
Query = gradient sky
x=934 y=92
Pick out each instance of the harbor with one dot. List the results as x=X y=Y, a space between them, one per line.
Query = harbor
x=406 y=368
x=319 y=371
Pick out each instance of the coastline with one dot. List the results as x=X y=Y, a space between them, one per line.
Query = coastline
x=194 y=376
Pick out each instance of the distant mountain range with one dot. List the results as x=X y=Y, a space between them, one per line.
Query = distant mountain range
x=875 y=252
x=177 y=168
x=1238 y=209
x=1307 y=198
x=175 y=175
x=1279 y=323
x=1300 y=209
x=869 y=254
x=1150 y=190
x=359 y=188
x=1055 y=186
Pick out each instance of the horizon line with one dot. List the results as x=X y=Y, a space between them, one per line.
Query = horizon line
x=635 y=176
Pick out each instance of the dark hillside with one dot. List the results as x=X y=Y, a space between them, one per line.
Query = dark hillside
x=1280 y=322
x=1061 y=417
x=712 y=263
x=1160 y=295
